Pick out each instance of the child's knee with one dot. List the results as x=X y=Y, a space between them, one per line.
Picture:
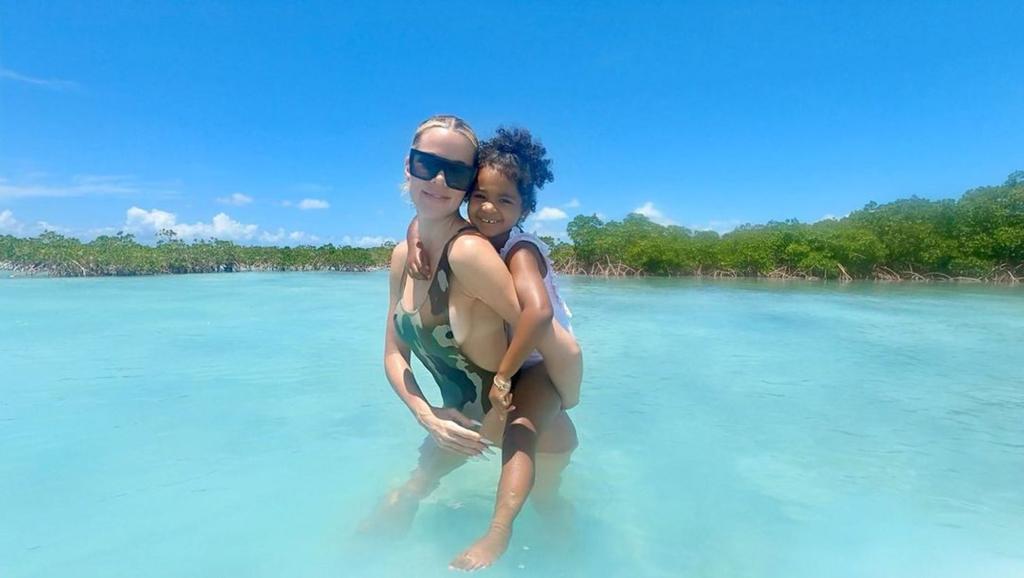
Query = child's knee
x=521 y=434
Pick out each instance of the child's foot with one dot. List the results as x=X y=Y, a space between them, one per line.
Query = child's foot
x=393 y=516
x=484 y=551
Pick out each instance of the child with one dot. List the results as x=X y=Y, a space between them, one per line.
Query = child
x=511 y=167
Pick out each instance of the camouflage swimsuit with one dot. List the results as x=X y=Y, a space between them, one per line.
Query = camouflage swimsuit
x=428 y=333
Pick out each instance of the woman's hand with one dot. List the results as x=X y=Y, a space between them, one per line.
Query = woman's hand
x=450 y=429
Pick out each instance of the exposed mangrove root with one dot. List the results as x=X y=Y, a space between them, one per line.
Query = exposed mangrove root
x=914 y=275
x=73 y=268
x=843 y=275
x=606 y=268
x=1004 y=273
x=610 y=269
x=786 y=273
x=883 y=273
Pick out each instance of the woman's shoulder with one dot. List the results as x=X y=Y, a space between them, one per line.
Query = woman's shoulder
x=470 y=244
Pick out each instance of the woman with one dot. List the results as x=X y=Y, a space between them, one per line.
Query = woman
x=455 y=323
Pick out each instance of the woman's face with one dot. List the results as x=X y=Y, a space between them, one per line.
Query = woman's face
x=494 y=205
x=434 y=198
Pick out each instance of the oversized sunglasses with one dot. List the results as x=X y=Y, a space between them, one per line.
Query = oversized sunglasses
x=425 y=166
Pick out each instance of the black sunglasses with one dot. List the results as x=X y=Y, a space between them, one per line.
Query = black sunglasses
x=425 y=166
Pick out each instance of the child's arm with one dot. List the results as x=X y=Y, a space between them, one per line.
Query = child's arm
x=524 y=263
x=417 y=261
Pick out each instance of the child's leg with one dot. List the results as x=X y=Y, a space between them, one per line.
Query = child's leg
x=552 y=459
x=536 y=403
x=564 y=361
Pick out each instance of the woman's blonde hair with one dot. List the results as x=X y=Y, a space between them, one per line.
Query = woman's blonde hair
x=448 y=121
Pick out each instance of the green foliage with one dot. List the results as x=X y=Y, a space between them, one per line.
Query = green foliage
x=121 y=255
x=975 y=236
x=980 y=235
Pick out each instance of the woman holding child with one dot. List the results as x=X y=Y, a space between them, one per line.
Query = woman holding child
x=493 y=391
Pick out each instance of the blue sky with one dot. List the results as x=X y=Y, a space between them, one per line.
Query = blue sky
x=274 y=123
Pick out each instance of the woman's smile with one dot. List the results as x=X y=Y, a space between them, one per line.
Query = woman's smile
x=434 y=196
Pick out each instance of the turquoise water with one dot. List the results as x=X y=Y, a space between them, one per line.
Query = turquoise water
x=241 y=425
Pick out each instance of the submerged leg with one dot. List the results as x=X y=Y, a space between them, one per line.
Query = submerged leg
x=537 y=404
x=396 y=510
x=546 y=499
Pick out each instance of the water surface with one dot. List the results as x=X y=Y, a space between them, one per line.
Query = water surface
x=241 y=425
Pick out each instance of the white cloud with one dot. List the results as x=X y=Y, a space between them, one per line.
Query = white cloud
x=137 y=219
x=268 y=237
x=366 y=241
x=8 y=224
x=303 y=236
x=831 y=217
x=549 y=214
x=80 y=185
x=147 y=223
x=236 y=199
x=602 y=216
x=221 y=227
x=307 y=204
x=103 y=231
x=720 y=227
x=572 y=204
x=655 y=215
x=45 y=226
x=52 y=83
x=11 y=226
x=281 y=235
x=541 y=230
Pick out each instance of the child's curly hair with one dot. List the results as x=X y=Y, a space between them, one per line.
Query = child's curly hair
x=521 y=159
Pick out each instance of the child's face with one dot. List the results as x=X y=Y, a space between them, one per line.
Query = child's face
x=495 y=205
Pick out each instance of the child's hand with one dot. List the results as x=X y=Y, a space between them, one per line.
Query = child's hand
x=418 y=262
x=501 y=397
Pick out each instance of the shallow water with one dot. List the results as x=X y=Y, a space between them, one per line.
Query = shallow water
x=241 y=425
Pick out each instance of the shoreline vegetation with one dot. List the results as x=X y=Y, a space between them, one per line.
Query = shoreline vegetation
x=976 y=238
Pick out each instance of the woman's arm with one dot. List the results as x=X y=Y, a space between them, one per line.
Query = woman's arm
x=447 y=426
x=396 y=353
x=483 y=275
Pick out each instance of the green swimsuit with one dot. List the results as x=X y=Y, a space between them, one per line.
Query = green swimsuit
x=428 y=333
